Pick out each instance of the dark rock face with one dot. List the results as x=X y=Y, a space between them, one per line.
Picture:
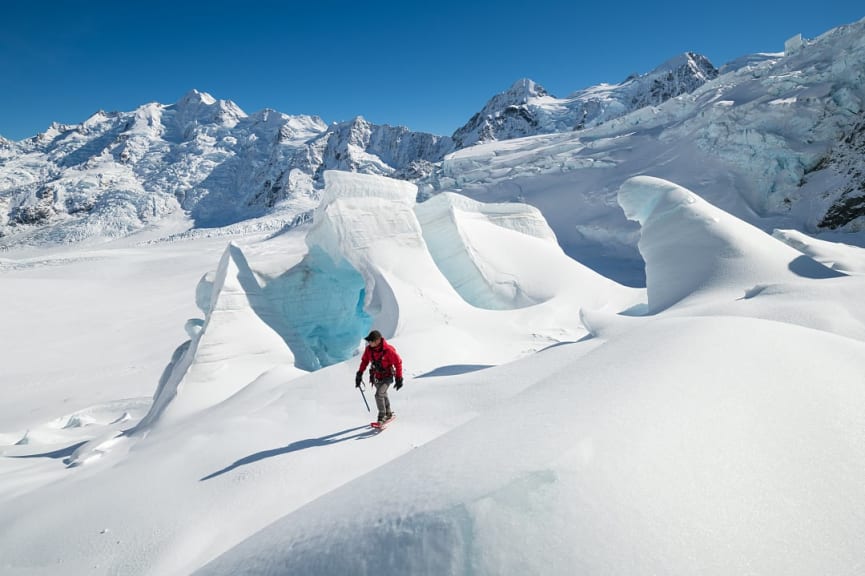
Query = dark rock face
x=847 y=159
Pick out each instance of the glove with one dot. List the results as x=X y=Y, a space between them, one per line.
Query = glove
x=358 y=379
x=398 y=383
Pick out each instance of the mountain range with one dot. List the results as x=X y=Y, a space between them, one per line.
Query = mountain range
x=782 y=135
x=606 y=357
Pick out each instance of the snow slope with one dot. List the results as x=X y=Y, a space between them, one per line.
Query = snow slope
x=708 y=424
x=641 y=457
x=776 y=141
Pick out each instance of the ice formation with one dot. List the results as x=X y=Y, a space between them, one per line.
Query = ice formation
x=692 y=248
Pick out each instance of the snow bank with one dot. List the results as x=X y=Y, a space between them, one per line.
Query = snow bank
x=657 y=464
x=693 y=249
x=836 y=255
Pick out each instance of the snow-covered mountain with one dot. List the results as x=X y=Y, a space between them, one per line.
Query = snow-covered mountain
x=843 y=171
x=777 y=138
x=396 y=151
x=118 y=172
x=526 y=108
x=189 y=407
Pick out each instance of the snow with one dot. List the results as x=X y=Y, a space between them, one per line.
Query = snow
x=691 y=247
x=527 y=109
x=836 y=255
x=654 y=465
x=625 y=352
x=187 y=406
x=776 y=139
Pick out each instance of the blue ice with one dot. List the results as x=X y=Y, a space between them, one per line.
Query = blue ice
x=321 y=303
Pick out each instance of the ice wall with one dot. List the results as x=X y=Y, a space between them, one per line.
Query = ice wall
x=369 y=223
x=321 y=302
x=378 y=259
x=496 y=256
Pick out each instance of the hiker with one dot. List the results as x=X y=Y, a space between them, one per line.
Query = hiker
x=385 y=365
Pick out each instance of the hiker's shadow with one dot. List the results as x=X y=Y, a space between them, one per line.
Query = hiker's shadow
x=334 y=438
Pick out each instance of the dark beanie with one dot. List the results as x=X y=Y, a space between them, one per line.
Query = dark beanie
x=373 y=336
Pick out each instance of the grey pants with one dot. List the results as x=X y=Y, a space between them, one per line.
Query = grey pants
x=381 y=400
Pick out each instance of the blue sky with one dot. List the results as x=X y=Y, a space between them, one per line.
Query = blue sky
x=425 y=65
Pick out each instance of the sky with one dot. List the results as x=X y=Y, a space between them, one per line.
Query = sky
x=428 y=66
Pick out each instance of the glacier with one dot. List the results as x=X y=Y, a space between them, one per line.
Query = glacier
x=774 y=139
x=706 y=422
x=377 y=258
x=597 y=422
x=613 y=478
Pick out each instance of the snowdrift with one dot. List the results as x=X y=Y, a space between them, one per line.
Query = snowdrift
x=695 y=251
x=228 y=350
x=642 y=457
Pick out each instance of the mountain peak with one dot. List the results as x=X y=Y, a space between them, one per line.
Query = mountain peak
x=358 y=121
x=202 y=108
x=505 y=115
x=526 y=108
x=526 y=88
x=696 y=64
x=194 y=97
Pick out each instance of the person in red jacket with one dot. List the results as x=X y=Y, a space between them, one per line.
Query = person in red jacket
x=385 y=367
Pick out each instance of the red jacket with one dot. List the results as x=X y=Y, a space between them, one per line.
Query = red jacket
x=385 y=361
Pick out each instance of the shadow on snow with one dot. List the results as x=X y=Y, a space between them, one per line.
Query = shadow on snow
x=454 y=370
x=334 y=438
x=56 y=454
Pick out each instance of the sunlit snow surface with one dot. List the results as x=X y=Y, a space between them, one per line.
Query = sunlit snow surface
x=552 y=421
x=183 y=401
x=770 y=140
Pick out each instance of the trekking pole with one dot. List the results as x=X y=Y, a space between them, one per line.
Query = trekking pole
x=362 y=395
